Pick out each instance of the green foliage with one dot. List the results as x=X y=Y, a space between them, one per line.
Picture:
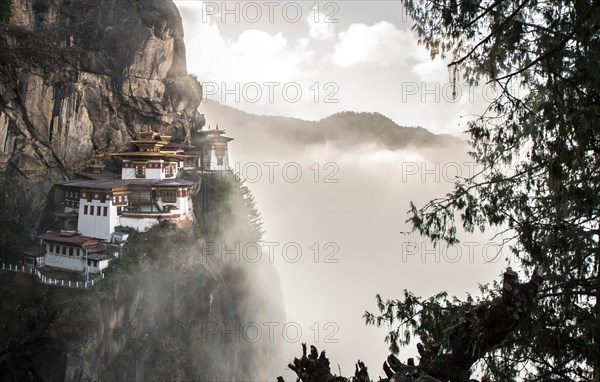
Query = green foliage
x=229 y=209
x=428 y=319
x=5 y=10
x=152 y=244
x=120 y=265
x=539 y=147
x=253 y=217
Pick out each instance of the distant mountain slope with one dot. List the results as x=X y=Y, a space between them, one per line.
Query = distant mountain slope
x=345 y=128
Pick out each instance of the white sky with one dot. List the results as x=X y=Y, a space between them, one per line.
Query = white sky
x=310 y=59
x=367 y=60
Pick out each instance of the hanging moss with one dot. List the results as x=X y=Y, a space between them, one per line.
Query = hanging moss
x=5 y=10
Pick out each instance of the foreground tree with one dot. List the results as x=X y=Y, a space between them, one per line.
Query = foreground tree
x=538 y=146
x=469 y=337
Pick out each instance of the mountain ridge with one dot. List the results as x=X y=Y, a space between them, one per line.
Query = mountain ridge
x=348 y=128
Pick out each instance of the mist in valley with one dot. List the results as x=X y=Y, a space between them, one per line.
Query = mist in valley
x=334 y=211
x=334 y=171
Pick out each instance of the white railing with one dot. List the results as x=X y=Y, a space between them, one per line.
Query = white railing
x=49 y=280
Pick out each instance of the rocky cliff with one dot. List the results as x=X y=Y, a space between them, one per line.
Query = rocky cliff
x=79 y=78
x=170 y=309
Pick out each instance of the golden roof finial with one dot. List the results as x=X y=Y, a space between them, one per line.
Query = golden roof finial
x=149 y=133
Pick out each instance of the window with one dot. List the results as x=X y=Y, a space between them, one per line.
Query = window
x=119 y=209
x=85 y=209
x=169 y=171
x=169 y=196
x=220 y=153
x=98 y=210
x=63 y=249
x=70 y=251
x=140 y=171
x=105 y=212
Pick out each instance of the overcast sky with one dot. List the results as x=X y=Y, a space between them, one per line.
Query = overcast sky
x=365 y=59
x=309 y=59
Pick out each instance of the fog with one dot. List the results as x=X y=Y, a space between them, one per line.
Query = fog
x=334 y=211
x=354 y=207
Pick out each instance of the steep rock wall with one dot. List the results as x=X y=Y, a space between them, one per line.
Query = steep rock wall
x=79 y=78
x=175 y=317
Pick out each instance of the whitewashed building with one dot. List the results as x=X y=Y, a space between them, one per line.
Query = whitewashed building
x=74 y=252
x=149 y=190
x=101 y=206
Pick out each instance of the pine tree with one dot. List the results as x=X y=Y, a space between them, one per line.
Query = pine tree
x=538 y=145
x=255 y=224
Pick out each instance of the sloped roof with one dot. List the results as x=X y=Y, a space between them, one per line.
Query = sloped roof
x=34 y=252
x=69 y=238
x=110 y=183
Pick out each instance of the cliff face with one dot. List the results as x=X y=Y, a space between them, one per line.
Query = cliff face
x=175 y=317
x=78 y=78
x=169 y=310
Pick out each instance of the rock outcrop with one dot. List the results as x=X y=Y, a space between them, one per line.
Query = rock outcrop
x=170 y=309
x=171 y=316
x=79 y=78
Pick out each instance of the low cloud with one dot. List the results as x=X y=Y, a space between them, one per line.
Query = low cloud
x=381 y=44
x=319 y=27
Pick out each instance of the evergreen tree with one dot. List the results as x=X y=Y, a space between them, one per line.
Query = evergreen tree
x=538 y=145
x=255 y=224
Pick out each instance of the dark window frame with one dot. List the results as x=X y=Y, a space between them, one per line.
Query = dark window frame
x=140 y=170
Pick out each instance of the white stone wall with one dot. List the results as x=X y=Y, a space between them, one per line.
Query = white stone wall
x=183 y=205
x=128 y=173
x=151 y=173
x=92 y=225
x=102 y=264
x=73 y=263
x=141 y=225
x=155 y=173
